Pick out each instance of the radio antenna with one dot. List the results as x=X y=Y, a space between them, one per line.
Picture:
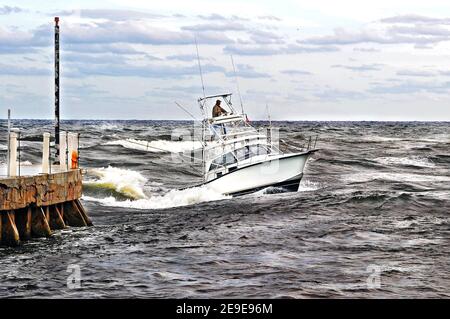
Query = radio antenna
x=200 y=67
x=237 y=84
x=268 y=114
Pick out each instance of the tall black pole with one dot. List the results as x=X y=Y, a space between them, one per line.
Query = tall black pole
x=57 y=89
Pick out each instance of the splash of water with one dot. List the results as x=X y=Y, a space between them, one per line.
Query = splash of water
x=173 y=198
x=126 y=182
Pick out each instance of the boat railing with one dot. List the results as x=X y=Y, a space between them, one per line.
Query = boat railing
x=21 y=159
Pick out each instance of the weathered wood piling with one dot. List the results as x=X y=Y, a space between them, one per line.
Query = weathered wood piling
x=35 y=206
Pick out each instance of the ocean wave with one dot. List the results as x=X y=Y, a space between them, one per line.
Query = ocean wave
x=107 y=126
x=159 y=146
x=307 y=185
x=396 y=177
x=420 y=242
x=173 y=198
x=21 y=164
x=378 y=139
x=408 y=161
x=123 y=182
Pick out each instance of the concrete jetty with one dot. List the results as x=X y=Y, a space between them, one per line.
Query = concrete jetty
x=35 y=206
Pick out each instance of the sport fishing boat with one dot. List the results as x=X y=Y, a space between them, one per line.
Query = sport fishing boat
x=239 y=159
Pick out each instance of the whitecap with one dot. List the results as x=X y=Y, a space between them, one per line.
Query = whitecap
x=413 y=161
x=124 y=181
x=307 y=185
x=173 y=198
x=396 y=177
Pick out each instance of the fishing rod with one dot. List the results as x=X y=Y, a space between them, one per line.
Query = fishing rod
x=184 y=109
x=164 y=150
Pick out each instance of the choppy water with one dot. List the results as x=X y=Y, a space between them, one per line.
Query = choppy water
x=373 y=205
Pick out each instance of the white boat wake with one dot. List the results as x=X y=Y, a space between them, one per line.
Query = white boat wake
x=139 y=194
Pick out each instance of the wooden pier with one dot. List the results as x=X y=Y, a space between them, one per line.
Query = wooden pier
x=35 y=206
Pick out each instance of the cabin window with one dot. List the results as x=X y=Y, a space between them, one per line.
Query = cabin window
x=229 y=158
x=225 y=159
x=258 y=150
x=242 y=153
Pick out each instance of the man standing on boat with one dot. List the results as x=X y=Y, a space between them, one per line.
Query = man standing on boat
x=218 y=110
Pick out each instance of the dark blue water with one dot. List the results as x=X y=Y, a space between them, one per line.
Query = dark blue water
x=371 y=219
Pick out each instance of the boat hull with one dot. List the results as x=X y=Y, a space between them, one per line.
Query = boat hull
x=285 y=171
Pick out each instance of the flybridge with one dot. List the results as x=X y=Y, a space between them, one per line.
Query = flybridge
x=214 y=96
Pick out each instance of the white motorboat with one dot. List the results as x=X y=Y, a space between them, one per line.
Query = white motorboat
x=239 y=159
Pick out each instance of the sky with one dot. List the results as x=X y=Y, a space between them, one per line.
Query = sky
x=297 y=60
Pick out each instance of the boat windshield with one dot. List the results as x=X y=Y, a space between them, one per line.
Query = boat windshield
x=239 y=154
x=230 y=127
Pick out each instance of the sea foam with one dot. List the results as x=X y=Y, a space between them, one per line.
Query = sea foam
x=131 y=184
x=173 y=198
x=126 y=182
x=410 y=161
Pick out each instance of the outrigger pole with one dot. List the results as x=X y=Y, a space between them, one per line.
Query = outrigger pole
x=200 y=67
x=57 y=147
x=237 y=84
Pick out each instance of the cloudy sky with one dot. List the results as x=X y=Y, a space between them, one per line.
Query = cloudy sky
x=307 y=60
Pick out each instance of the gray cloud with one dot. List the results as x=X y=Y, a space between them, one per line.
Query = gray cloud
x=337 y=95
x=14 y=70
x=175 y=92
x=421 y=30
x=251 y=50
x=342 y=37
x=265 y=37
x=145 y=71
x=127 y=32
x=185 y=57
x=83 y=58
x=218 y=17
x=269 y=17
x=72 y=90
x=222 y=26
x=9 y=10
x=360 y=68
x=368 y=50
x=295 y=72
x=15 y=41
x=416 y=73
x=247 y=71
x=409 y=29
x=411 y=88
x=123 y=49
x=109 y=14
x=414 y=18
